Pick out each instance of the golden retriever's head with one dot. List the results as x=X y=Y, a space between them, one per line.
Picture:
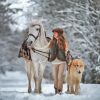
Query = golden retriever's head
x=78 y=65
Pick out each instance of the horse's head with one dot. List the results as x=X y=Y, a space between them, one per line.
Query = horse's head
x=36 y=32
x=33 y=33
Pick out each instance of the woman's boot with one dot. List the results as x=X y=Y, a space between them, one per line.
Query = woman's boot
x=59 y=91
x=56 y=90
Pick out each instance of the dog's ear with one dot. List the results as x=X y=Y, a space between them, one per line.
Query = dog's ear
x=73 y=63
x=81 y=63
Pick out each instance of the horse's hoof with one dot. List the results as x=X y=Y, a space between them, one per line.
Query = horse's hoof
x=29 y=90
x=40 y=92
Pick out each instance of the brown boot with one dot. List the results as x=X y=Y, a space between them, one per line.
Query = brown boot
x=56 y=90
x=59 y=91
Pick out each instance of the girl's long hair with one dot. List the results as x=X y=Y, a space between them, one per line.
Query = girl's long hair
x=60 y=41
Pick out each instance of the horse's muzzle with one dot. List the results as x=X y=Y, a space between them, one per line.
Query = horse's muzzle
x=29 y=43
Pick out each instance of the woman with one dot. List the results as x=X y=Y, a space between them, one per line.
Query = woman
x=58 y=50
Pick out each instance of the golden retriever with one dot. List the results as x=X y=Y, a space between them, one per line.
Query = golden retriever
x=74 y=75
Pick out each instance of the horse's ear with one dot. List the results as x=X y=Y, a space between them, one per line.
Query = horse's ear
x=48 y=38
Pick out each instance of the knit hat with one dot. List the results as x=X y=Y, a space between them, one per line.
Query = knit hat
x=58 y=30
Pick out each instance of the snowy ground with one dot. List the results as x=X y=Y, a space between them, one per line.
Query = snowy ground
x=13 y=86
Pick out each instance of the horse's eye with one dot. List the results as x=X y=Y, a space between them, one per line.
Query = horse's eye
x=37 y=29
x=32 y=25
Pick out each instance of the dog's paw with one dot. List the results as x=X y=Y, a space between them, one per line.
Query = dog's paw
x=37 y=91
x=67 y=92
x=77 y=93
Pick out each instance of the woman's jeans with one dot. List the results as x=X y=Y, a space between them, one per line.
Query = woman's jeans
x=58 y=70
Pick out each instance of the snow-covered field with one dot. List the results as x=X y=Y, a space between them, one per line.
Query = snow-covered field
x=13 y=86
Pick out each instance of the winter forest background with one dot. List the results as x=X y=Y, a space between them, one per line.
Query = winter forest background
x=80 y=20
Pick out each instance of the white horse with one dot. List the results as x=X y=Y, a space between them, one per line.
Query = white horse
x=35 y=68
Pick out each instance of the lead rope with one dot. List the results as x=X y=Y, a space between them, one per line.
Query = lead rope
x=69 y=60
x=38 y=52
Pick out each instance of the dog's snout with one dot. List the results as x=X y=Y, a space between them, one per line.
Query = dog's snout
x=79 y=72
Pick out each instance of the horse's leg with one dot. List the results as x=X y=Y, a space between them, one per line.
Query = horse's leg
x=68 y=88
x=40 y=81
x=28 y=70
x=41 y=72
x=36 y=77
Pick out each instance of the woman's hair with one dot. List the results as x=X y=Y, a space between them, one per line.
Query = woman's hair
x=61 y=40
